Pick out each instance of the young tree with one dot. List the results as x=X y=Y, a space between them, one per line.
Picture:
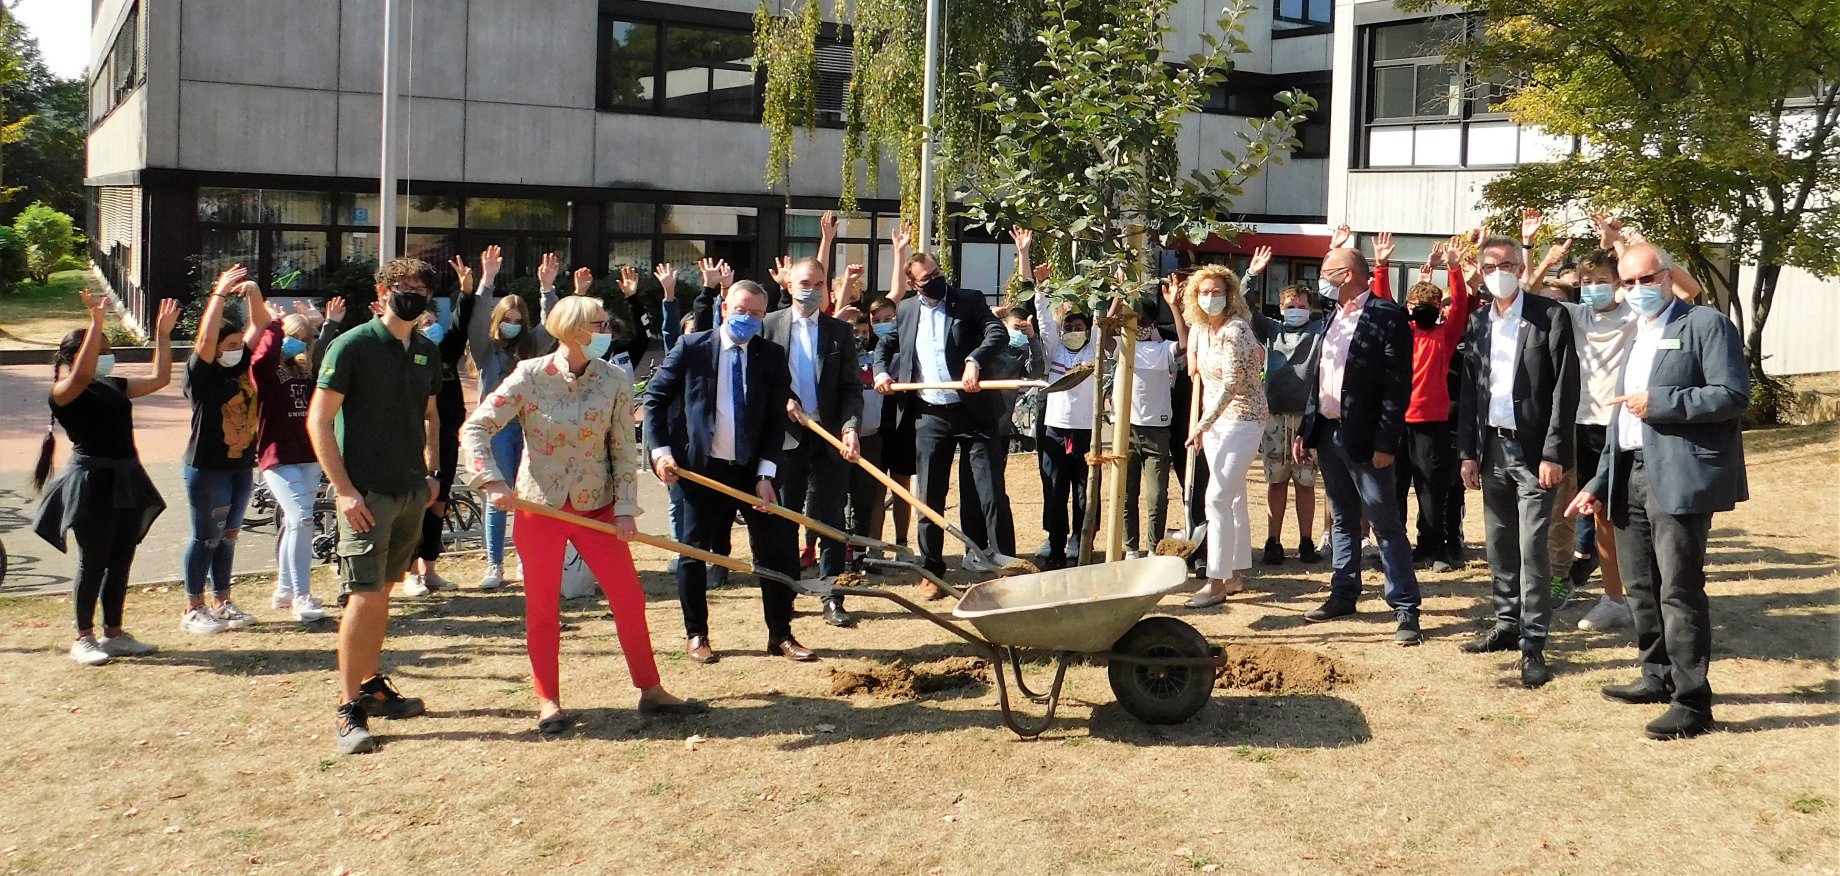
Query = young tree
x=1715 y=127
x=1086 y=151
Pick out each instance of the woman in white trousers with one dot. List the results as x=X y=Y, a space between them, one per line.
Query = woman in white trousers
x=1226 y=419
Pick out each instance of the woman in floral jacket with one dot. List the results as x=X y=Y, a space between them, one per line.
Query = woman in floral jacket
x=580 y=456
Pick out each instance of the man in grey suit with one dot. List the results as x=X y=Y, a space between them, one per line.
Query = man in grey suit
x=826 y=386
x=1673 y=457
x=1517 y=406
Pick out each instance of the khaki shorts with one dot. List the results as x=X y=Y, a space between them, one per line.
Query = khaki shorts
x=1275 y=447
x=369 y=561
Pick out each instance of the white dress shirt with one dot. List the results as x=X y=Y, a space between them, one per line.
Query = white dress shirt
x=1336 y=342
x=1629 y=427
x=930 y=352
x=1504 y=360
x=722 y=443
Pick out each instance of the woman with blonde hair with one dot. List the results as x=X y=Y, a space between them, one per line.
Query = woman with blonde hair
x=1227 y=417
x=580 y=457
x=281 y=362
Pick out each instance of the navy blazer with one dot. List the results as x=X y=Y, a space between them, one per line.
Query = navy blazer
x=972 y=332
x=840 y=389
x=1376 y=384
x=1693 y=436
x=680 y=400
x=1545 y=391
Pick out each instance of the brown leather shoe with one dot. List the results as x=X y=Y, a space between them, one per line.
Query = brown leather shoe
x=699 y=650
x=931 y=592
x=790 y=649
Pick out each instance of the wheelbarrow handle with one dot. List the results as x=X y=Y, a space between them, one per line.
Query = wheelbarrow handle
x=729 y=563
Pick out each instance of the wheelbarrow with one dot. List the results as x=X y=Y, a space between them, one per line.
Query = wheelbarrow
x=1161 y=669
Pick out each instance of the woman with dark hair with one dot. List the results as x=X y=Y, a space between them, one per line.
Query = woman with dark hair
x=102 y=496
x=220 y=458
x=282 y=364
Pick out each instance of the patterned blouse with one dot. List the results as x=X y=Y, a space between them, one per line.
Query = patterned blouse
x=1231 y=362
x=579 y=446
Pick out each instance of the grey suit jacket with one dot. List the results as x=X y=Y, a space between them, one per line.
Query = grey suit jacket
x=840 y=386
x=1692 y=438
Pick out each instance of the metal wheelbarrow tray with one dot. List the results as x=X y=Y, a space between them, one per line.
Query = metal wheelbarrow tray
x=1161 y=669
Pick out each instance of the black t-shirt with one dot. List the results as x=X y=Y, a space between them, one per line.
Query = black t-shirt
x=223 y=414
x=100 y=420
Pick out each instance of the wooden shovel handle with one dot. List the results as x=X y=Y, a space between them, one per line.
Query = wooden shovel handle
x=729 y=563
x=987 y=384
x=893 y=485
x=752 y=501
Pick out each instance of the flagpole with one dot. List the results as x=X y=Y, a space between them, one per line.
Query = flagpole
x=935 y=12
x=388 y=171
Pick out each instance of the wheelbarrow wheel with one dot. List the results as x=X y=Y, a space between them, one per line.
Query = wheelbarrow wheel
x=1161 y=694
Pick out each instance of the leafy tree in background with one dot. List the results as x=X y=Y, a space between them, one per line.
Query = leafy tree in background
x=42 y=128
x=48 y=235
x=1714 y=126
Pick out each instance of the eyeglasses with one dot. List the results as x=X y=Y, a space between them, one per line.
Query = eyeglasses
x=601 y=324
x=1644 y=280
x=1500 y=266
x=412 y=290
x=922 y=281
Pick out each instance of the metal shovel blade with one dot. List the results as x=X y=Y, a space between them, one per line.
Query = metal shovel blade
x=1074 y=377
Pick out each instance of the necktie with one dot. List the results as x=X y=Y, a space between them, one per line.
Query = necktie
x=737 y=399
x=805 y=370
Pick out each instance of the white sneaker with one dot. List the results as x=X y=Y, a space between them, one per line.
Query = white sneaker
x=436 y=582
x=281 y=601
x=494 y=577
x=87 y=652
x=234 y=618
x=125 y=645
x=1134 y=555
x=1607 y=614
x=308 y=609
x=200 y=620
x=414 y=585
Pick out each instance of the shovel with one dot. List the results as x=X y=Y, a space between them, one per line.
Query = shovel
x=822 y=529
x=729 y=563
x=1186 y=547
x=1074 y=377
x=990 y=558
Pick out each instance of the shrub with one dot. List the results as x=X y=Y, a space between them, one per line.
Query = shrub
x=49 y=237
x=13 y=267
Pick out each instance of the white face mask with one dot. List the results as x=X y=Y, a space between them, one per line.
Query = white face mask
x=1212 y=305
x=1073 y=340
x=104 y=364
x=1327 y=289
x=230 y=358
x=1502 y=284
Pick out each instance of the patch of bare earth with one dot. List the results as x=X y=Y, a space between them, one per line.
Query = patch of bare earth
x=1335 y=751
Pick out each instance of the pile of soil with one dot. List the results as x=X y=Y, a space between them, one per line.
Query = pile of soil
x=897 y=680
x=1281 y=669
x=851 y=579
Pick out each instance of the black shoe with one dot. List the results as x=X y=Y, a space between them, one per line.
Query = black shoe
x=1534 y=671
x=1274 y=553
x=1496 y=639
x=835 y=615
x=1642 y=691
x=1330 y=610
x=1677 y=723
x=554 y=724
x=1582 y=567
x=1408 y=634
x=354 y=729
x=1307 y=553
x=381 y=698
x=685 y=709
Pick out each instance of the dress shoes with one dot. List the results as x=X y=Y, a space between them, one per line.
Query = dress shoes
x=790 y=649
x=1330 y=610
x=836 y=616
x=1677 y=723
x=1642 y=691
x=699 y=651
x=1496 y=639
x=1534 y=671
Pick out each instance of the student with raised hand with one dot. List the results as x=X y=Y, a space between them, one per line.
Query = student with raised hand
x=1065 y=434
x=103 y=496
x=281 y=362
x=440 y=324
x=1429 y=462
x=1290 y=346
x=220 y=458
x=1158 y=358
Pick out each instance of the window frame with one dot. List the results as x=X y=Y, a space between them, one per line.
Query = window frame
x=105 y=71
x=663 y=18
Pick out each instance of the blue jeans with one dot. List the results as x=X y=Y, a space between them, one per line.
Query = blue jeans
x=218 y=498
x=1358 y=491
x=294 y=488
x=508 y=455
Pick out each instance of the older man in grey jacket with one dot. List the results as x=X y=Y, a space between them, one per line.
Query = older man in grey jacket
x=1673 y=457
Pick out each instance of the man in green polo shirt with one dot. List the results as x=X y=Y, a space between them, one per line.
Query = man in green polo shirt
x=374 y=428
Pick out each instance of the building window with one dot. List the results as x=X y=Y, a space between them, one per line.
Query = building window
x=1421 y=110
x=836 y=61
x=682 y=235
x=1302 y=17
x=683 y=70
x=121 y=71
x=862 y=239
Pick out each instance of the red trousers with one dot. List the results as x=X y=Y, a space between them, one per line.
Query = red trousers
x=540 y=542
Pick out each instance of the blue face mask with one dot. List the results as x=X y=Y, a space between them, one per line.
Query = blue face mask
x=509 y=330
x=1296 y=316
x=291 y=347
x=1329 y=291
x=104 y=364
x=1017 y=339
x=1647 y=300
x=436 y=332
x=884 y=329
x=598 y=345
x=742 y=327
x=1598 y=295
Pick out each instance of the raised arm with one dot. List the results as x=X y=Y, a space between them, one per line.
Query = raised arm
x=827 y=241
x=1172 y=293
x=204 y=341
x=900 y=238
x=259 y=314
x=83 y=369
x=161 y=374
x=479 y=328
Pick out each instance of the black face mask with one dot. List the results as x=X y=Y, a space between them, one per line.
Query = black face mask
x=934 y=289
x=408 y=306
x=1425 y=316
x=866 y=345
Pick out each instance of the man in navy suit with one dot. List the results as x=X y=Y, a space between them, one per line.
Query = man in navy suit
x=942 y=335
x=717 y=406
x=1354 y=423
x=826 y=386
x=1673 y=457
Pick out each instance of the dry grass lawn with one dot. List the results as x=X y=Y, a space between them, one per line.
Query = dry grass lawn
x=216 y=756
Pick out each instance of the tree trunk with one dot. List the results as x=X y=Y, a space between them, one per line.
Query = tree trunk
x=1089 y=528
x=1764 y=405
x=1121 y=434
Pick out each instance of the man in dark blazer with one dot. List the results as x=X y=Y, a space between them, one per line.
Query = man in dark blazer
x=1519 y=401
x=944 y=334
x=1354 y=423
x=1673 y=457
x=826 y=386
x=717 y=406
